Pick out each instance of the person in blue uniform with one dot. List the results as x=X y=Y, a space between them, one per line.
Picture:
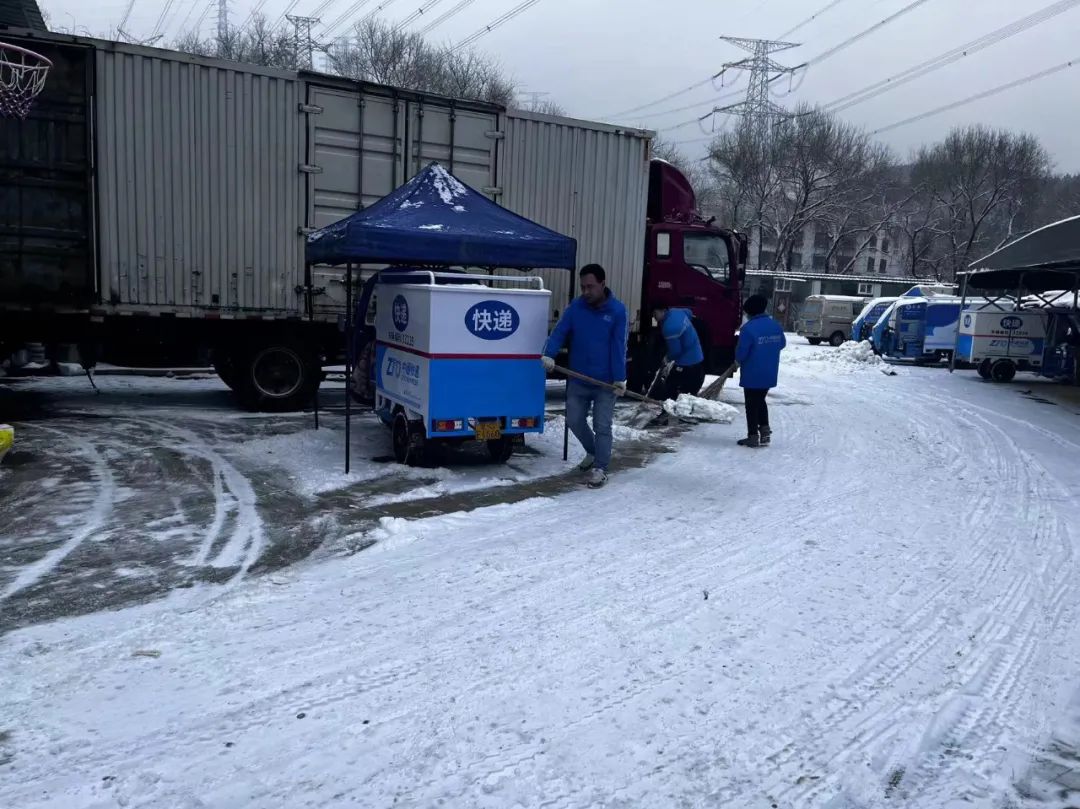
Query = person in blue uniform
x=761 y=339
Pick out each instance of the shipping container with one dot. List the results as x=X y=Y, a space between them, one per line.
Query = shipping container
x=46 y=190
x=585 y=180
x=199 y=194
x=365 y=140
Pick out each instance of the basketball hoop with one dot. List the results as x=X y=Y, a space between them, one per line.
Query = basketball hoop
x=22 y=77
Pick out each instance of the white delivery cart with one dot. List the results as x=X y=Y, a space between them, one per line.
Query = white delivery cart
x=458 y=360
x=1001 y=343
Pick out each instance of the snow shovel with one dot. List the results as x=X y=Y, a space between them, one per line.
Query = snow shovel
x=631 y=395
x=713 y=389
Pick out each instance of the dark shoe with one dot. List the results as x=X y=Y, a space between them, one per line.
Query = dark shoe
x=750 y=441
x=766 y=436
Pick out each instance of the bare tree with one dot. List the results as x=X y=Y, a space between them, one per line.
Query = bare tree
x=984 y=187
x=813 y=171
x=377 y=52
x=259 y=43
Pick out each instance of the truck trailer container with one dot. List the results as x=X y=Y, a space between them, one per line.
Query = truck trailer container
x=155 y=206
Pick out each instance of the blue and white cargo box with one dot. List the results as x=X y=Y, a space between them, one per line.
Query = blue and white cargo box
x=462 y=358
x=988 y=335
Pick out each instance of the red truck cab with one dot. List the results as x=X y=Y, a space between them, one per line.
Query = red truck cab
x=692 y=264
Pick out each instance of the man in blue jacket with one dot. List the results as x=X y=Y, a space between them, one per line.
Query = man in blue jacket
x=761 y=340
x=685 y=359
x=596 y=325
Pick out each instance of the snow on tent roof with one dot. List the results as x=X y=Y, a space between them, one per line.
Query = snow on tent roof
x=435 y=219
x=1045 y=259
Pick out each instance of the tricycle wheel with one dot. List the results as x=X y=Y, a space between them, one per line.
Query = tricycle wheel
x=408 y=441
x=1003 y=371
x=500 y=449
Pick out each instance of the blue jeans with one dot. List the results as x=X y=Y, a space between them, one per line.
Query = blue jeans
x=579 y=398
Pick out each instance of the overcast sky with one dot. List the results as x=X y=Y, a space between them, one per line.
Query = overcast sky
x=601 y=57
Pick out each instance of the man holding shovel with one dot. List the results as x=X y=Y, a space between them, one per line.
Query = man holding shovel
x=596 y=325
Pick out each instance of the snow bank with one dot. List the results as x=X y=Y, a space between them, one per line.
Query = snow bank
x=688 y=406
x=849 y=357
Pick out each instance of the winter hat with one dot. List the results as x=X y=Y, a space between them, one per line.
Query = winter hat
x=755 y=305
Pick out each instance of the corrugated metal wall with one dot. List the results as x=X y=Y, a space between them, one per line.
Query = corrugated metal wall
x=200 y=194
x=589 y=181
x=366 y=143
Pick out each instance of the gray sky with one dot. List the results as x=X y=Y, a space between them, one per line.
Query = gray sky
x=600 y=57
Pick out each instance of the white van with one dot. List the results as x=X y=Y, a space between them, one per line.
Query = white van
x=828 y=318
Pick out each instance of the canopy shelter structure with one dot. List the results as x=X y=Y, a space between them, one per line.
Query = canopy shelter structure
x=1043 y=265
x=434 y=221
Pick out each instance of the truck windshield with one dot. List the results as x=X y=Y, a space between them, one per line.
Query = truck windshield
x=709 y=251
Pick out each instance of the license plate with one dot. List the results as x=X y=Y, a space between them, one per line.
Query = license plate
x=488 y=430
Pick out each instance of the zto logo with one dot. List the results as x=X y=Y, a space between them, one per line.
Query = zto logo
x=1011 y=323
x=967 y=321
x=401 y=313
x=492 y=320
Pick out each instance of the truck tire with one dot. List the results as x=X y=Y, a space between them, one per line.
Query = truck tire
x=278 y=376
x=225 y=367
x=500 y=449
x=1003 y=370
x=408 y=440
x=837 y=339
x=984 y=368
x=814 y=341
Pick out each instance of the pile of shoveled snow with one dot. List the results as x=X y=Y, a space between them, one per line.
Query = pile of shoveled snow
x=850 y=356
x=688 y=406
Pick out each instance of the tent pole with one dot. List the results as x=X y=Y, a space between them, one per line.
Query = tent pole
x=348 y=363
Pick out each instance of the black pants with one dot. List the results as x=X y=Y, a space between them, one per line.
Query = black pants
x=682 y=379
x=757 y=412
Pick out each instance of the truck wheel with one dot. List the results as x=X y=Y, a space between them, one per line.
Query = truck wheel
x=408 y=441
x=837 y=339
x=279 y=376
x=814 y=341
x=984 y=369
x=225 y=367
x=1003 y=371
x=500 y=449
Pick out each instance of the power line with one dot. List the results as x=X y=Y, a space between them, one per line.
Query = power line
x=452 y=12
x=417 y=14
x=182 y=29
x=951 y=56
x=127 y=13
x=288 y=10
x=695 y=105
x=491 y=26
x=255 y=9
x=811 y=18
x=821 y=57
x=1001 y=88
x=161 y=17
x=329 y=28
x=758 y=109
x=376 y=10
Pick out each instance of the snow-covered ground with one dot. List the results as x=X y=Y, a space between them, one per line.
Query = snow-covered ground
x=880 y=610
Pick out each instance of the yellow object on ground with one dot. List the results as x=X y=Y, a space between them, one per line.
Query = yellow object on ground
x=7 y=439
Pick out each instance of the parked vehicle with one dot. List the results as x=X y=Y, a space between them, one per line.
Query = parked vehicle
x=864 y=322
x=158 y=202
x=828 y=318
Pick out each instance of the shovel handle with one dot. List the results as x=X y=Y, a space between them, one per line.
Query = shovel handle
x=629 y=393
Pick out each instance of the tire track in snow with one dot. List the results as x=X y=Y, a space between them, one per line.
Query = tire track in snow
x=94 y=519
x=978 y=716
x=922 y=634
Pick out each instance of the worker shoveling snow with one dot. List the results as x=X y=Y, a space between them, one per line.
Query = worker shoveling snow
x=694 y=407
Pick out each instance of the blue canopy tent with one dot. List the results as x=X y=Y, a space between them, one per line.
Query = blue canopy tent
x=437 y=220
x=434 y=220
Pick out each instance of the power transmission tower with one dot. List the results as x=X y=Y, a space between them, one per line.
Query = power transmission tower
x=758 y=109
x=222 y=20
x=302 y=41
